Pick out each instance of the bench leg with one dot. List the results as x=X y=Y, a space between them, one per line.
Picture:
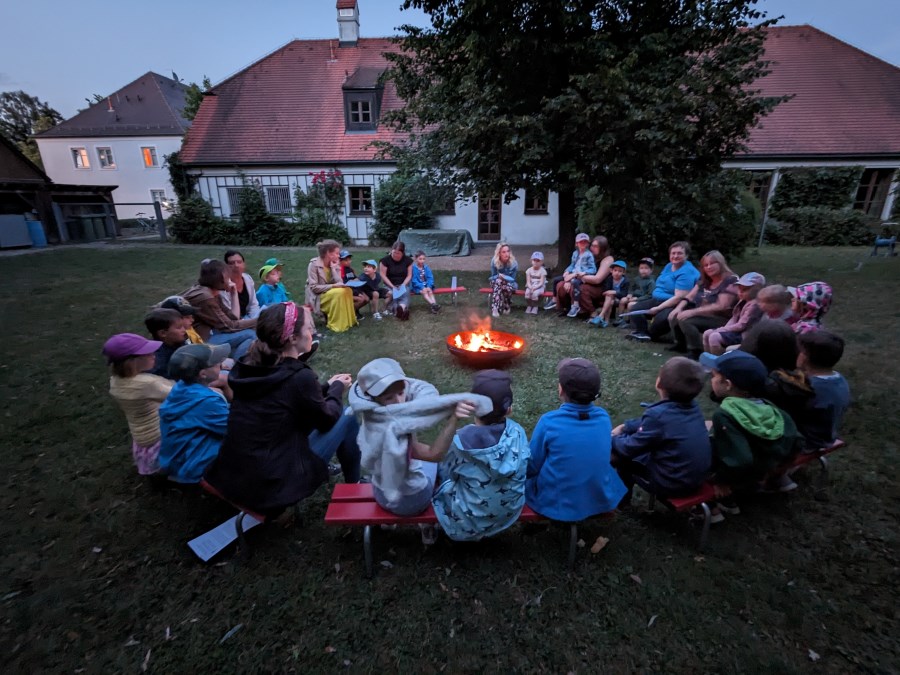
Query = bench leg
x=704 y=532
x=367 y=550
x=242 y=540
x=573 y=543
x=651 y=505
x=823 y=474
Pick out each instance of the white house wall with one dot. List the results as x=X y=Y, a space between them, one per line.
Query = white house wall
x=515 y=226
x=134 y=180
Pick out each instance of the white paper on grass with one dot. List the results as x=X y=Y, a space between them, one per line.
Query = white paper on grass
x=209 y=544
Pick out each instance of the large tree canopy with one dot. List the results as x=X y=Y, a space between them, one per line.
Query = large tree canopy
x=22 y=115
x=572 y=94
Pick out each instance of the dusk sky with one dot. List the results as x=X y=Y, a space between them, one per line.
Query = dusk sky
x=63 y=51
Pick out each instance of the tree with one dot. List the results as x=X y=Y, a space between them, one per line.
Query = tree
x=406 y=200
x=22 y=116
x=193 y=97
x=569 y=94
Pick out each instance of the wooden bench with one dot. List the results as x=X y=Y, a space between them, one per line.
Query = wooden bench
x=708 y=494
x=353 y=504
x=452 y=290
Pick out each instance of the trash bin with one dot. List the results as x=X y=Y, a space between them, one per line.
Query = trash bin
x=36 y=232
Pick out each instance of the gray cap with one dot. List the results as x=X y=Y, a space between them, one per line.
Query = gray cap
x=537 y=255
x=376 y=376
x=188 y=361
x=752 y=279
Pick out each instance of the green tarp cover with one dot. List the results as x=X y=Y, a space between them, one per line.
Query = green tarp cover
x=438 y=242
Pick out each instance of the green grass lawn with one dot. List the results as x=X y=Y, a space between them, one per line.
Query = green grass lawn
x=97 y=577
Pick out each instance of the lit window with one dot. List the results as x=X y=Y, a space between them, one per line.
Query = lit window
x=105 y=157
x=80 y=158
x=149 y=154
x=360 y=201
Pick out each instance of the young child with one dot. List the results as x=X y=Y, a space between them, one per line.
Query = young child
x=669 y=444
x=271 y=291
x=138 y=394
x=393 y=408
x=194 y=416
x=535 y=281
x=811 y=302
x=819 y=352
x=569 y=476
x=582 y=263
x=643 y=289
x=346 y=260
x=422 y=281
x=775 y=303
x=616 y=287
x=187 y=312
x=166 y=326
x=482 y=477
x=371 y=289
x=745 y=315
x=751 y=436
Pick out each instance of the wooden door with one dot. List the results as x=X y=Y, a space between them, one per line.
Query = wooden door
x=489 y=218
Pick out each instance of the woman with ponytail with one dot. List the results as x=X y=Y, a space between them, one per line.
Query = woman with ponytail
x=284 y=424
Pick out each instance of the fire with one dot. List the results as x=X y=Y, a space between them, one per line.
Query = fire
x=483 y=341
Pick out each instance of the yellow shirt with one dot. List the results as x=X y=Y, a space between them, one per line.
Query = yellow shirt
x=139 y=397
x=194 y=336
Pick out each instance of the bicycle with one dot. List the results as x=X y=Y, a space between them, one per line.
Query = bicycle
x=147 y=223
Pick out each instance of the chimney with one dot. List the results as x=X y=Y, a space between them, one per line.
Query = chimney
x=348 y=22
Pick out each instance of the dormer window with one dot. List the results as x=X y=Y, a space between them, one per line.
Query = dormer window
x=362 y=99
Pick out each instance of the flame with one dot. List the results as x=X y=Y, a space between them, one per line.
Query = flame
x=483 y=340
x=517 y=344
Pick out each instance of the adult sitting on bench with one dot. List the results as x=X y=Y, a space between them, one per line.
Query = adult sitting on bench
x=284 y=425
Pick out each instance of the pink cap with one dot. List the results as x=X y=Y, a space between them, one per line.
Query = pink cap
x=120 y=347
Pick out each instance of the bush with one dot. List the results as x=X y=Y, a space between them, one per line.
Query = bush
x=256 y=226
x=645 y=218
x=318 y=212
x=820 y=226
x=405 y=201
x=830 y=187
x=194 y=222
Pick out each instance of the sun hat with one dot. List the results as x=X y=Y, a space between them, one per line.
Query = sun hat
x=377 y=375
x=743 y=369
x=188 y=361
x=579 y=378
x=620 y=263
x=752 y=279
x=581 y=236
x=120 y=347
x=497 y=386
x=179 y=304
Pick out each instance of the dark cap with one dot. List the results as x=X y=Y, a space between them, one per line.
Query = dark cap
x=497 y=386
x=646 y=261
x=743 y=369
x=179 y=304
x=580 y=379
x=187 y=362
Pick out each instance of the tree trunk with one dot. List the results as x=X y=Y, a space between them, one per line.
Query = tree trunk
x=566 y=241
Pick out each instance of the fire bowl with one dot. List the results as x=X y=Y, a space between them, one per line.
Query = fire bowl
x=485 y=348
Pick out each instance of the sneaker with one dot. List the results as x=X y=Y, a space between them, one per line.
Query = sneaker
x=729 y=506
x=598 y=321
x=377 y=316
x=435 y=308
x=574 y=311
x=715 y=515
x=495 y=313
x=429 y=534
x=506 y=311
x=638 y=337
x=334 y=469
x=551 y=304
x=782 y=483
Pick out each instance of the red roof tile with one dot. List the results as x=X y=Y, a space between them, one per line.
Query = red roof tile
x=288 y=108
x=846 y=102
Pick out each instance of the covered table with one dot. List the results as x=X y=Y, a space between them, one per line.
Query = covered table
x=438 y=242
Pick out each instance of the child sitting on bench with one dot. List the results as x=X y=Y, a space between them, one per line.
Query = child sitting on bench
x=569 y=474
x=669 y=444
x=392 y=409
x=482 y=476
x=751 y=436
x=819 y=353
x=422 y=281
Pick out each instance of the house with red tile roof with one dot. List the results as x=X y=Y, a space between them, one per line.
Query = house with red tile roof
x=315 y=105
x=122 y=141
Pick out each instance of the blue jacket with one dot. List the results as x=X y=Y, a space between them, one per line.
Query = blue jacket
x=192 y=420
x=582 y=262
x=569 y=475
x=509 y=272
x=271 y=295
x=421 y=278
x=671 y=440
x=483 y=489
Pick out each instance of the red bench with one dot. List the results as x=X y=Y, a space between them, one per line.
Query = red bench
x=708 y=494
x=545 y=294
x=353 y=504
x=239 y=523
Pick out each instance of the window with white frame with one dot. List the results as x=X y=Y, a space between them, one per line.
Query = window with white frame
x=105 y=158
x=278 y=199
x=80 y=158
x=360 y=200
x=234 y=200
x=158 y=196
x=149 y=154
